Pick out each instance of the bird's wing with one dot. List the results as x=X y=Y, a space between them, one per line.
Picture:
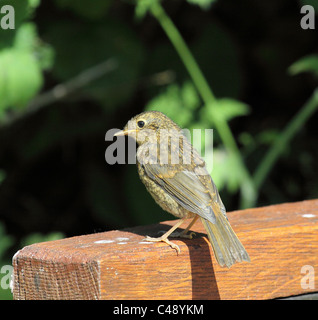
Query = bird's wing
x=195 y=193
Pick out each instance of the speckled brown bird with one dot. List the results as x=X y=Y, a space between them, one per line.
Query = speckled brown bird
x=176 y=177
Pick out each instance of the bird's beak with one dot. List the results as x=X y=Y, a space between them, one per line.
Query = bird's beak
x=124 y=133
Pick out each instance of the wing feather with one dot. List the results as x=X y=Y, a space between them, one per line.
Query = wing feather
x=189 y=184
x=185 y=187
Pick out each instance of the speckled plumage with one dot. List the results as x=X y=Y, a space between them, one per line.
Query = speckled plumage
x=176 y=177
x=162 y=198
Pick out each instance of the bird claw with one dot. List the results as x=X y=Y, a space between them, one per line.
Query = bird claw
x=168 y=242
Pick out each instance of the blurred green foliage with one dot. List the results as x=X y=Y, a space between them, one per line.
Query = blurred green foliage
x=177 y=102
x=20 y=48
x=71 y=70
x=6 y=241
x=305 y=64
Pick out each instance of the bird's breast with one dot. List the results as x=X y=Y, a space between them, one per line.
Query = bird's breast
x=162 y=198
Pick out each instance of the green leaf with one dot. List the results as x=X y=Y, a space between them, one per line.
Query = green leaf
x=27 y=39
x=231 y=108
x=142 y=7
x=189 y=96
x=34 y=3
x=226 y=108
x=226 y=171
x=178 y=103
x=268 y=136
x=204 y=4
x=20 y=78
x=305 y=64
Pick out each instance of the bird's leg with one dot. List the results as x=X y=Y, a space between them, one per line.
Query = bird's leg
x=165 y=236
x=184 y=234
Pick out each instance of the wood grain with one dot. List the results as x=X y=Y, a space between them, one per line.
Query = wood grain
x=280 y=240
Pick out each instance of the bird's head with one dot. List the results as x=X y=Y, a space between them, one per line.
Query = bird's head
x=146 y=126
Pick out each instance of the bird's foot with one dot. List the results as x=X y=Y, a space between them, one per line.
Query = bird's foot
x=164 y=239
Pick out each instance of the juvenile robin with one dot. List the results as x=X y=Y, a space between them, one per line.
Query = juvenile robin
x=176 y=177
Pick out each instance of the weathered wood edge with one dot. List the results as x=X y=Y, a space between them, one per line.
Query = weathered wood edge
x=280 y=239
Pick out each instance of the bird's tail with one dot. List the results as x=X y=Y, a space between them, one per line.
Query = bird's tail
x=226 y=245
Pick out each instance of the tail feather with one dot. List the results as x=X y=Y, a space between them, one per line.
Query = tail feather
x=226 y=245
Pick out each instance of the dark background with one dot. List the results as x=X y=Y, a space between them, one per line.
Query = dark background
x=56 y=181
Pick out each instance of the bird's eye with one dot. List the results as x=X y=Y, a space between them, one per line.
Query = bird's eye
x=140 y=124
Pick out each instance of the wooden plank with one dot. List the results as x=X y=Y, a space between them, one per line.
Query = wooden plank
x=280 y=240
